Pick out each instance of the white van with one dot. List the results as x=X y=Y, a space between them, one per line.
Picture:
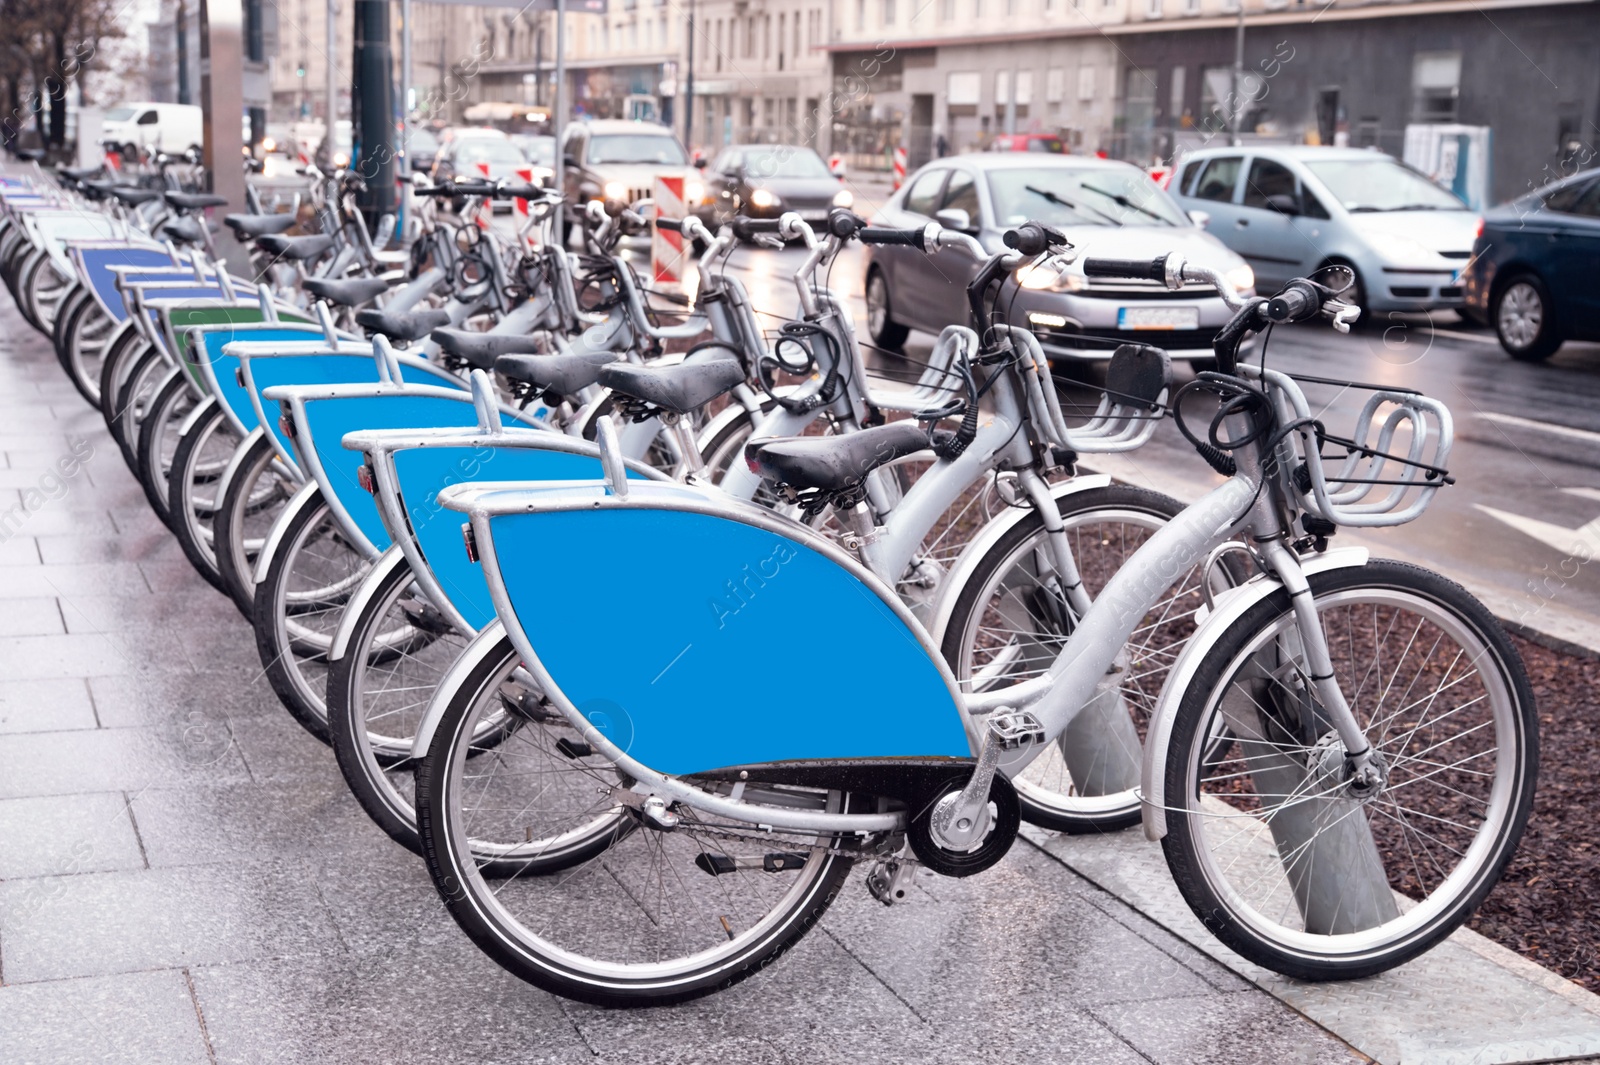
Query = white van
x=170 y=128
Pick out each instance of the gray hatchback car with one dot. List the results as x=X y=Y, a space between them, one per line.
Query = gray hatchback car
x=1105 y=208
x=1292 y=209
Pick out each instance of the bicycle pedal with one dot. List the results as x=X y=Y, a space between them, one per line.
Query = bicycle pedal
x=889 y=881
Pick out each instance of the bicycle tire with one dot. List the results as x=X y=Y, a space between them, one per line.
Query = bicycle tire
x=1323 y=948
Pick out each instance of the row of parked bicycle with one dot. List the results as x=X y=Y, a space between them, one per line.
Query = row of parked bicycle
x=643 y=626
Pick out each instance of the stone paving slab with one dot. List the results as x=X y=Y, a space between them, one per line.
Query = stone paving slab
x=1468 y=1001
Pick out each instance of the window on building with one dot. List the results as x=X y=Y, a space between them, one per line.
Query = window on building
x=1176 y=98
x=1152 y=8
x=888 y=12
x=1217 y=180
x=1436 y=84
x=1002 y=87
x=1086 y=80
x=1191 y=7
x=1011 y=7
x=783 y=27
x=1055 y=84
x=861 y=14
x=963 y=87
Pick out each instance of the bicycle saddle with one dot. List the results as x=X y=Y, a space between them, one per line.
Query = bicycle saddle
x=79 y=173
x=295 y=248
x=346 y=292
x=133 y=195
x=834 y=463
x=565 y=375
x=247 y=226
x=181 y=230
x=402 y=325
x=480 y=350
x=194 y=201
x=688 y=386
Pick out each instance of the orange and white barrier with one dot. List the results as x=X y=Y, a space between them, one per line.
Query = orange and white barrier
x=899 y=167
x=668 y=251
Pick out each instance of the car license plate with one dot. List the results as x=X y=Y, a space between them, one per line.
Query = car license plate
x=1158 y=318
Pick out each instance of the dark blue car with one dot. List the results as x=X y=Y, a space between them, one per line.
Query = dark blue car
x=1532 y=275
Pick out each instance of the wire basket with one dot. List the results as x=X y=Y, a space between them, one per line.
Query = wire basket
x=1138 y=381
x=1391 y=464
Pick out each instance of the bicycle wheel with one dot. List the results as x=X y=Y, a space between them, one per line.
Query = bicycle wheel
x=1268 y=843
x=657 y=916
x=133 y=396
x=254 y=490
x=310 y=576
x=123 y=352
x=43 y=288
x=85 y=341
x=71 y=305
x=1010 y=619
x=27 y=268
x=163 y=418
x=204 y=448
x=398 y=649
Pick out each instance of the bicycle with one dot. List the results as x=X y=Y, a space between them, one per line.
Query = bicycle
x=741 y=828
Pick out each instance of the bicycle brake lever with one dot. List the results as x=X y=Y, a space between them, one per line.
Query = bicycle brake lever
x=1344 y=314
x=767 y=240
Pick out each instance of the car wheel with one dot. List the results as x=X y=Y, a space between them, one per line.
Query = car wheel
x=1523 y=321
x=884 y=330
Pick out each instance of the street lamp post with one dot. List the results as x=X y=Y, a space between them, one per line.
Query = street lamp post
x=688 y=87
x=1237 y=112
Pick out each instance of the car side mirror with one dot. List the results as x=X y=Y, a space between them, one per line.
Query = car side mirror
x=1284 y=203
x=955 y=218
x=1200 y=218
x=420 y=165
x=699 y=163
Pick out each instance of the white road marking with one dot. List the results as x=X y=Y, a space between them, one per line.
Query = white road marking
x=1568 y=431
x=1478 y=338
x=1583 y=541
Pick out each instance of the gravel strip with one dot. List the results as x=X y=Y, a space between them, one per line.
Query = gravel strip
x=1547 y=906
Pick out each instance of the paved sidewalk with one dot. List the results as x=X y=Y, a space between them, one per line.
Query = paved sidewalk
x=183 y=877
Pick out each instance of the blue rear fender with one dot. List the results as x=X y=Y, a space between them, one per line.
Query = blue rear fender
x=698 y=635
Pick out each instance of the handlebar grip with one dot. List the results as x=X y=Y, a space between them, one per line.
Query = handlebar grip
x=519 y=192
x=671 y=225
x=911 y=238
x=745 y=228
x=845 y=223
x=1144 y=269
x=1297 y=302
x=1034 y=238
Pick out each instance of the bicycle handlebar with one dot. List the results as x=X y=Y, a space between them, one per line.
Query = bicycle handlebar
x=1143 y=269
x=911 y=238
x=1035 y=238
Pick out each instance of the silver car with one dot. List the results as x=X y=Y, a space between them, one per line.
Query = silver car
x=1290 y=210
x=1106 y=208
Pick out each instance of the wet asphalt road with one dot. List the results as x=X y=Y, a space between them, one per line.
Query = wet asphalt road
x=1520 y=526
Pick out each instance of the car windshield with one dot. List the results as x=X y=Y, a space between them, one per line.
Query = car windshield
x=1101 y=196
x=1381 y=184
x=784 y=163
x=120 y=114
x=420 y=140
x=636 y=148
x=484 y=150
x=540 y=151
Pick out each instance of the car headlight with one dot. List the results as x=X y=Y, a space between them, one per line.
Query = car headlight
x=763 y=198
x=1041 y=278
x=694 y=193
x=844 y=198
x=1401 y=251
x=268 y=144
x=616 y=190
x=341 y=159
x=1241 y=277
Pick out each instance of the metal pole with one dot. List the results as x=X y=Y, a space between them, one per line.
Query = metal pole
x=222 y=97
x=1236 y=112
x=405 y=71
x=374 y=71
x=558 y=119
x=688 y=87
x=332 y=140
